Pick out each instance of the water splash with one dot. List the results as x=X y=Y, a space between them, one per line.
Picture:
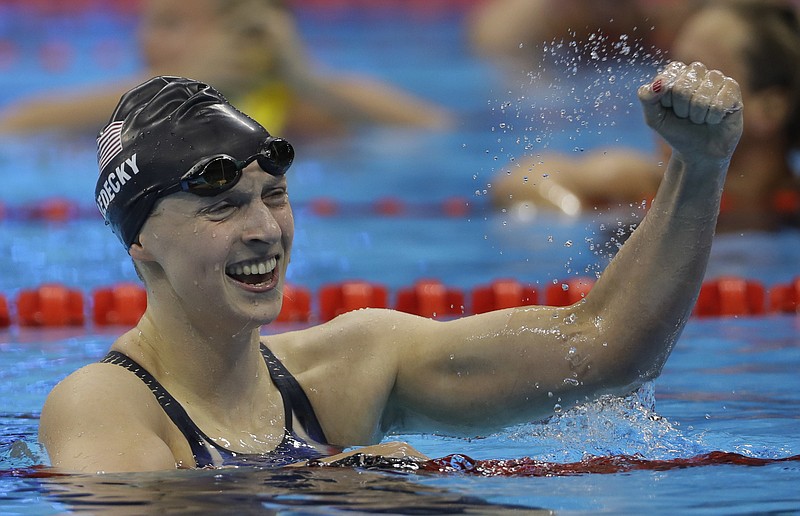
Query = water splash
x=576 y=86
x=608 y=426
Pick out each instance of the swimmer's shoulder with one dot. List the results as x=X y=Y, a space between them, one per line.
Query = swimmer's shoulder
x=367 y=329
x=369 y=339
x=354 y=357
x=98 y=384
x=102 y=416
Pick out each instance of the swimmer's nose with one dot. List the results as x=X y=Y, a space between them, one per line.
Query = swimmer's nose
x=260 y=224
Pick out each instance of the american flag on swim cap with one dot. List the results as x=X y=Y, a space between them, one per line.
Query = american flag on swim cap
x=109 y=144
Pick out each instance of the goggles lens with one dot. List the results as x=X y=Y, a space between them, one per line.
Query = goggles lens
x=216 y=174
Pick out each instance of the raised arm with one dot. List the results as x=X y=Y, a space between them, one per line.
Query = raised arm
x=514 y=365
x=647 y=293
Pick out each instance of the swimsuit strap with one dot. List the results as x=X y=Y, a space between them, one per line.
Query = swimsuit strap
x=295 y=400
x=196 y=438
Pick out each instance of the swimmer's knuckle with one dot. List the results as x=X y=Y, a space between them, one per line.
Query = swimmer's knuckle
x=682 y=90
x=731 y=84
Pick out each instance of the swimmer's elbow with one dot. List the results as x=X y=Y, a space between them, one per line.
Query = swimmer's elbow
x=622 y=370
x=629 y=377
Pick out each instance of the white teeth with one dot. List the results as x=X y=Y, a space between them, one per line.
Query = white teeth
x=254 y=267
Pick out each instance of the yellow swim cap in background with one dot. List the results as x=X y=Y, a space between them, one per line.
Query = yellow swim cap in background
x=268 y=105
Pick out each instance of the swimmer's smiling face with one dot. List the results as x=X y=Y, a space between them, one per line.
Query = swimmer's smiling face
x=224 y=255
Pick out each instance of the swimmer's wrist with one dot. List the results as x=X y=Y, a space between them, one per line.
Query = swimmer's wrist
x=690 y=162
x=688 y=181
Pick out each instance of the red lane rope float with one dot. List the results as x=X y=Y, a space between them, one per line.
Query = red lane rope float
x=784 y=201
x=527 y=467
x=785 y=298
x=124 y=303
x=54 y=209
x=58 y=209
x=36 y=471
x=296 y=305
x=5 y=314
x=503 y=293
x=568 y=292
x=50 y=305
x=454 y=207
x=729 y=295
x=430 y=298
x=336 y=299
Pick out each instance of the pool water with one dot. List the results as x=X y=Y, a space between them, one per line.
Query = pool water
x=731 y=384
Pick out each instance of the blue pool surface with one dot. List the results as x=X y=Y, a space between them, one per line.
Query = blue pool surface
x=731 y=384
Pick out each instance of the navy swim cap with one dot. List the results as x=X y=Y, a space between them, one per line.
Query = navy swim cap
x=158 y=131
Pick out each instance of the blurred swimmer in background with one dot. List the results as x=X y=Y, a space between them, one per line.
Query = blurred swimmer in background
x=253 y=52
x=753 y=41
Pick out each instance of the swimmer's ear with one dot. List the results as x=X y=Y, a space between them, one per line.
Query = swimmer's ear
x=138 y=252
x=767 y=111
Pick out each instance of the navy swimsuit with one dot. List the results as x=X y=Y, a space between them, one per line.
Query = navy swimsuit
x=297 y=408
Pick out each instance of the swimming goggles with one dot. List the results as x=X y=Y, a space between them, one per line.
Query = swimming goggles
x=216 y=174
